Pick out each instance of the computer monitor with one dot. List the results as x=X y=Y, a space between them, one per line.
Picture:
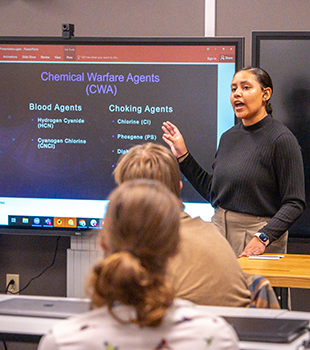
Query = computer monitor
x=71 y=107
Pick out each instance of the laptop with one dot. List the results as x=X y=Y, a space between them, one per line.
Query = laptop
x=43 y=307
x=269 y=330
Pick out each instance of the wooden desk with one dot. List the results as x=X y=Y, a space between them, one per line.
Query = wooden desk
x=291 y=271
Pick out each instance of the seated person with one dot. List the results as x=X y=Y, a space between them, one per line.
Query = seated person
x=133 y=307
x=206 y=270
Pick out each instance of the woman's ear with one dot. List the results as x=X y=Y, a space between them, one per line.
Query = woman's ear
x=267 y=94
x=103 y=246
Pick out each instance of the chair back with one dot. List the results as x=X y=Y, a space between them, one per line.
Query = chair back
x=262 y=293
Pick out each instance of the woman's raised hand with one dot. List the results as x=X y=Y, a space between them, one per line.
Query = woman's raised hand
x=174 y=139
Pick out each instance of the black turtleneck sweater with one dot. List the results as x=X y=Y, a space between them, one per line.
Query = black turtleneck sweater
x=258 y=170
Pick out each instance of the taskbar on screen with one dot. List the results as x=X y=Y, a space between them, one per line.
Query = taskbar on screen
x=54 y=222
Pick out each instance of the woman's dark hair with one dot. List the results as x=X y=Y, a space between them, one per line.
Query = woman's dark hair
x=265 y=81
x=141 y=232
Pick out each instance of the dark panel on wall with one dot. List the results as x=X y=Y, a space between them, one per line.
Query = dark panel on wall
x=291 y=91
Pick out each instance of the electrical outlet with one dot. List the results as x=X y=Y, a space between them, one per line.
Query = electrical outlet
x=13 y=288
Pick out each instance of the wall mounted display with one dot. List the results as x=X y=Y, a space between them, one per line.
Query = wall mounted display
x=70 y=107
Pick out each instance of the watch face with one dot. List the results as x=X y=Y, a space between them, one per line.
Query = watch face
x=263 y=237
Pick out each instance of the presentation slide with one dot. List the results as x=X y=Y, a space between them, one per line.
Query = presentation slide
x=67 y=124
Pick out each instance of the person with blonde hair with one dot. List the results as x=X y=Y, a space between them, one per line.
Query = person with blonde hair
x=133 y=305
x=206 y=270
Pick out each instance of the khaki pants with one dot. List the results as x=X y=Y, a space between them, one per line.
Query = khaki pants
x=240 y=228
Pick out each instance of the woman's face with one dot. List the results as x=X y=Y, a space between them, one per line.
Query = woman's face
x=247 y=98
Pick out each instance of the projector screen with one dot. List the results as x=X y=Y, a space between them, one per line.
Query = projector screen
x=70 y=107
x=285 y=56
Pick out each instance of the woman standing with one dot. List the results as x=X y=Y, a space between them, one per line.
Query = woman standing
x=134 y=309
x=257 y=182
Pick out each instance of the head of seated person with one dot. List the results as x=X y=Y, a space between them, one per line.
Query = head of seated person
x=140 y=234
x=150 y=161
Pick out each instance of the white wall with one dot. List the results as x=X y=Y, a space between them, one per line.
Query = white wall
x=102 y=17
